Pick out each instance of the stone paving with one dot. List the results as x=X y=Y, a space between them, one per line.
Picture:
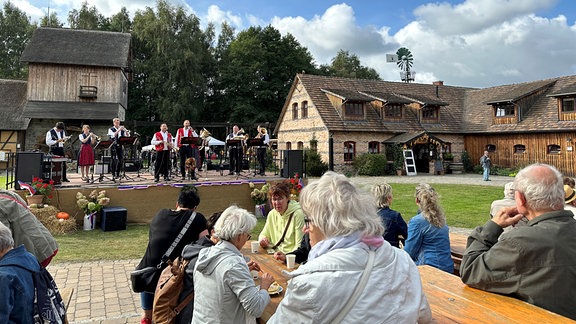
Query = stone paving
x=102 y=291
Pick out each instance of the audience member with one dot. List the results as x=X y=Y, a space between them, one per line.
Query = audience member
x=164 y=228
x=569 y=181
x=535 y=263
x=346 y=239
x=301 y=252
x=283 y=228
x=16 y=280
x=428 y=235
x=224 y=289
x=570 y=199
x=395 y=228
x=26 y=228
x=508 y=200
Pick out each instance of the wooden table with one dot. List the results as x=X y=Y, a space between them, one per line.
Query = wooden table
x=274 y=267
x=457 y=248
x=452 y=301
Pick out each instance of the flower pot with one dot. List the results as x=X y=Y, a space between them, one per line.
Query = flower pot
x=260 y=210
x=35 y=199
x=90 y=221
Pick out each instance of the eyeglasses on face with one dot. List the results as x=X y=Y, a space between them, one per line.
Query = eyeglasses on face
x=307 y=222
x=249 y=236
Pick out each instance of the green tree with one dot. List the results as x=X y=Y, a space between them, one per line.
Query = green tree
x=121 y=22
x=172 y=63
x=15 y=32
x=257 y=72
x=348 y=65
x=88 y=18
x=51 y=21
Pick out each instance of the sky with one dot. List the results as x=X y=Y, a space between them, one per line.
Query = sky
x=471 y=43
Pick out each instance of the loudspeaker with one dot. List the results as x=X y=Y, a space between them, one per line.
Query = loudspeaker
x=28 y=166
x=113 y=219
x=292 y=163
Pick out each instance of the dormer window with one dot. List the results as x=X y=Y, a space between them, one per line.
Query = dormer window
x=504 y=110
x=392 y=111
x=430 y=114
x=354 y=109
x=567 y=105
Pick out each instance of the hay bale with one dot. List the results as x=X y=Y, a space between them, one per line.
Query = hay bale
x=47 y=216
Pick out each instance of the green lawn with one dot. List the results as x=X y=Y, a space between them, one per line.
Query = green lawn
x=465 y=206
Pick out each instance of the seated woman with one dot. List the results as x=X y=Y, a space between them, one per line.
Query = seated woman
x=283 y=228
x=395 y=228
x=428 y=235
x=224 y=289
x=351 y=275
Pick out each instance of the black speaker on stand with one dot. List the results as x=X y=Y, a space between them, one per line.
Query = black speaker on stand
x=293 y=163
x=28 y=166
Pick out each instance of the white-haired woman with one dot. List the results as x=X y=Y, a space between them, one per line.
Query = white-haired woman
x=428 y=235
x=351 y=276
x=224 y=289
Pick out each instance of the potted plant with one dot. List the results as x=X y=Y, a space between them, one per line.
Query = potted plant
x=40 y=191
x=91 y=205
x=259 y=196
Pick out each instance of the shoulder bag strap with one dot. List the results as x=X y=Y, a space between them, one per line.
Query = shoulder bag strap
x=284 y=234
x=166 y=255
x=363 y=281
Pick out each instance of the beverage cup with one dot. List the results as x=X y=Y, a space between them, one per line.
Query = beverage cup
x=254 y=274
x=290 y=261
x=254 y=246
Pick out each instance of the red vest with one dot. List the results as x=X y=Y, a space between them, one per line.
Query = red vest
x=158 y=137
x=180 y=134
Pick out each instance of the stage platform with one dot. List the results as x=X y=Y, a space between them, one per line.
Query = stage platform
x=142 y=197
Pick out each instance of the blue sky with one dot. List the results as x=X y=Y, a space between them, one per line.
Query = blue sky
x=473 y=43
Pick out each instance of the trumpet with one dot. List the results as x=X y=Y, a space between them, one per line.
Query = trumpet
x=204 y=134
x=241 y=135
x=95 y=137
x=261 y=133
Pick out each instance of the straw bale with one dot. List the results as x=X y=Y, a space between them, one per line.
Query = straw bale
x=47 y=216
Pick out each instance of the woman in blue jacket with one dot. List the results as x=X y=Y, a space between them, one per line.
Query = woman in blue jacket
x=428 y=235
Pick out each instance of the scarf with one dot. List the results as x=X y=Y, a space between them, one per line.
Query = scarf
x=342 y=242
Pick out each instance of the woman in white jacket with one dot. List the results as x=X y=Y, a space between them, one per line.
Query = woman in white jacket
x=346 y=237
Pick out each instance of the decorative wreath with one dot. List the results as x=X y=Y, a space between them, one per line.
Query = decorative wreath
x=190 y=164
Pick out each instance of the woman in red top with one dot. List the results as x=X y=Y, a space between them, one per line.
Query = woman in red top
x=86 y=157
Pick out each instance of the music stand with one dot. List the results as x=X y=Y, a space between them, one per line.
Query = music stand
x=236 y=143
x=191 y=140
x=102 y=145
x=251 y=143
x=125 y=141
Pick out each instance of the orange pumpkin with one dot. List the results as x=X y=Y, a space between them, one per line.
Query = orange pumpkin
x=62 y=215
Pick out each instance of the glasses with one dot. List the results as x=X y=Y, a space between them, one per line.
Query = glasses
x=307 y=222
x=249 y=236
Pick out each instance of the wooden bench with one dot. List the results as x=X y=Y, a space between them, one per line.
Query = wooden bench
x=457 y=248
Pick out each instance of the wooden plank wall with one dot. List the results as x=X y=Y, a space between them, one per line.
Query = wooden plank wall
x=62 y=82
x=536 y=150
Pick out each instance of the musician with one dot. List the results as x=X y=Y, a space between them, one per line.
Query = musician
x=116 y=151
x=162 y=142
x=235 y=152
x=261 y=150
x=187 y=150
x=55 y=139
x=86 y=156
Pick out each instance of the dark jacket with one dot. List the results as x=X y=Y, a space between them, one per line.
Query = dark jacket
x=190 y=252
x=17 y=286
x=302 y=251
x=535 y=263
x=394 y=225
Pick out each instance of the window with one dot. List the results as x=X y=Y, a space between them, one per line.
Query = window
x=354 y=109
x=553 y=149
x=373 y=147
x=519 y=149
x=300 y=146
x=430 y=112
x=288 y=145
x=295 y=110
x=491 y=148
x=314 y=145
x=392 y=111
x=505 y=110
x=304 y=109
x=567 y=105
x=349 y=151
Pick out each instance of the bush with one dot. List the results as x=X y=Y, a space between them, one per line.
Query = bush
x=467 y=162
x=371 y=164
x=315 y=167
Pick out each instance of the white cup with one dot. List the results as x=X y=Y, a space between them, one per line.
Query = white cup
x=254 y=246
x=290 y=261
x=254 y=274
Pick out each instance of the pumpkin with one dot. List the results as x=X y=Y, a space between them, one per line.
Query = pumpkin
x=62 y=215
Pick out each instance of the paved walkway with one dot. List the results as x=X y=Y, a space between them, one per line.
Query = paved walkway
x=102 y=291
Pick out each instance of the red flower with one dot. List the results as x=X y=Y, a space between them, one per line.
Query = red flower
x=38 y=185
x=45 y=185
x=51 y=182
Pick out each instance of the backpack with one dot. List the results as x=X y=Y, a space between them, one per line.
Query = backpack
x=48 y=304
x=166 y=306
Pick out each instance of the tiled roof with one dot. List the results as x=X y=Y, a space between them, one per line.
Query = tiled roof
x=78 y=47
x=514 y=92
x=568 y=90
x=349 y=95
x=13 y=94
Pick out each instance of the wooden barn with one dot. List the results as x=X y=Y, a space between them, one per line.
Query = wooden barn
x=12 y=125
x=75 y=76
x=519 y=124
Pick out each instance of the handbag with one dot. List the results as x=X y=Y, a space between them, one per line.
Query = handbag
x=145 y=279
x=170 y=286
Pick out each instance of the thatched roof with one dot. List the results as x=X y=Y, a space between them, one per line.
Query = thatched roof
x=78 y=47
x=13 y=94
